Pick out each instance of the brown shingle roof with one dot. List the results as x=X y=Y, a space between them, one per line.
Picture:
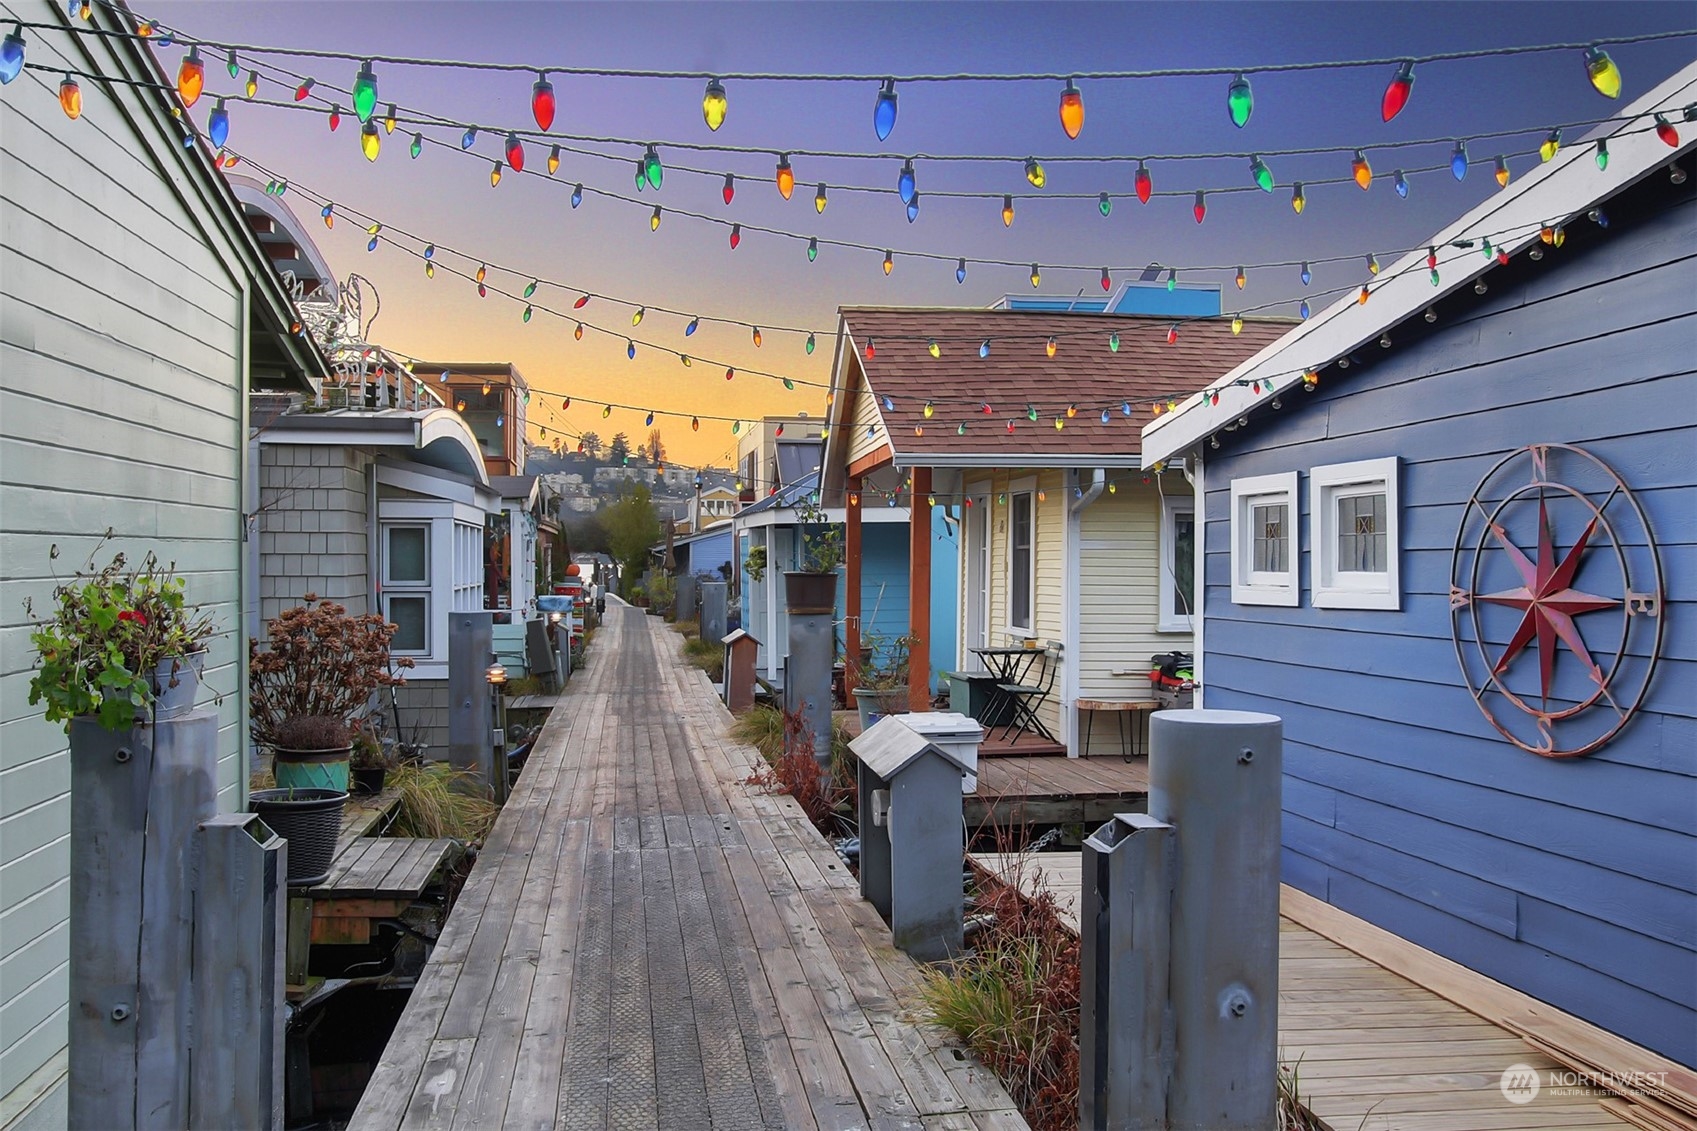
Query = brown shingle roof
x=1084 y=372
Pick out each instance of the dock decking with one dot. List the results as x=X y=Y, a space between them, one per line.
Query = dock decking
x=647 y=941
x=1374 y=1051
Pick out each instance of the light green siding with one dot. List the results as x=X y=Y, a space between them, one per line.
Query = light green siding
x=122 y=380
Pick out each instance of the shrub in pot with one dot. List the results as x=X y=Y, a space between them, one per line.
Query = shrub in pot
x=881 y=683
x=312 y=751
x=369 y=764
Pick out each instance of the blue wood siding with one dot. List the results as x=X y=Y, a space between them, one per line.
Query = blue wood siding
x=706 y=554
x=1574 y=881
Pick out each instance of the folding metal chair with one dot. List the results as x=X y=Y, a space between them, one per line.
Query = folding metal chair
x=1023 y=699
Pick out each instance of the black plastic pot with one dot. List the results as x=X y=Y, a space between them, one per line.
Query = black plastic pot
x=310 y=820
x=367 y=780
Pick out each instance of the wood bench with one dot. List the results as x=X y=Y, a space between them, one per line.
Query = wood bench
x=1128 y=711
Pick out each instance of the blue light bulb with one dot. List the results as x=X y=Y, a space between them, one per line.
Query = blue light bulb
x=1304 y=309
x=905 y=183
x=913 y=208
x=1125 y=408
x=884 y=113
x=1401 y=185
x=577 y=196
x=1458 y=161
x=960 y=271
x=694 y=324
x=469 y=138
x=984 y=348
x=1306 y=276
x=218 y=125
x=12 y=54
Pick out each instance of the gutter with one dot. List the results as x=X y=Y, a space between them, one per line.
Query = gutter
x=1098 y=481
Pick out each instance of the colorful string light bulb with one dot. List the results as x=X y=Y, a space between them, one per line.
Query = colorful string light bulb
x=1114 y=342
x=515 y=153
x=231 y=65
x=1602 y=154
x=1397 y=91
x=1104 y=205
x=889 y=262
x=1172 y=333
x=884 y=110
x=1400 y=183
x=1502 y=172
x=252 y=87
x=1666 y=131
x=1107 y=283
x=365 y=92
x=370 y=140
x=542 y=102
x=960 y=271
x=1034 y=173
x=932 y=348
x=905 y=182
x=389 y=119
x=1372 y=264
x=553 y=160
x=1550 y=146
x=1262 y=175
x=913 y=209
x=1362 y=171
x=736 y=235
x=577 y=195
x=654 y=219
x=1601 y=70
x=1237 y=325
x=1049 y=348
x=729 y=192
x=416 y=147
x=755 y=336
x=304 y=89
x=652 y=170
x=1458 y=161
x=70 y=98
x=1303 y=310
x=494 y=174
x=191 y=77
x=984 y=349
x=785 y=176
x=712 y=105
x=819 y=199
x=1298 y=201
x=218 y=125
x=1240 y=101
x=335 y=118
x=469 y=138
x=811 y=344
x=636 y=318
x=1036 y=275
x=812 y=248
x=1007 y=211
x=1240 y=278
x=1072 y=110
x=1199 y=208
x=1143 y=183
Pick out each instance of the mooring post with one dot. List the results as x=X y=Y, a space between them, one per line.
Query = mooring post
x=686 y=597
x=713 y=595
x=1215 y=776
x=1124 y=924
x=471 y=743
x=807 y=677
x=136 y=799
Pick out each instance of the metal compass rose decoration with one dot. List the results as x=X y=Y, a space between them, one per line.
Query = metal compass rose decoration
x=1556 y=600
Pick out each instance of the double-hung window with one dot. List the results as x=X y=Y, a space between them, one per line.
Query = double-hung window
x=1178 y=563
x=406 y=586
x=1354 y=515
x=1265 y=548
x=1022 y=531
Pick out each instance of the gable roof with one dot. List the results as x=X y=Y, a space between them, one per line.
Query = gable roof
x=1558 y=191
x=1085 y=373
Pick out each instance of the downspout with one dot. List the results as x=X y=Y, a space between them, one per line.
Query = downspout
x=1195 y=473
x=1098 y=481
x=1070 y=636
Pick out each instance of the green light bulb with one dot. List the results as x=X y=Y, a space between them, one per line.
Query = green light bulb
x=1240 y=101
x=1263 y=175
x=365 y=93
x=652 y=168
x=1104 y=205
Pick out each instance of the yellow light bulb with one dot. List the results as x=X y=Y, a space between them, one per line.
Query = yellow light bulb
x=1036 y=275
x=1007 y=211
x=370 y=141
x=889 y=263
x=1049 y=347
x=1034 y=173
x=819 y=199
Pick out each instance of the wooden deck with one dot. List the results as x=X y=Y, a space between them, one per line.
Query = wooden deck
x=1374 y=1051
x=647 y=941
x=1047 y=790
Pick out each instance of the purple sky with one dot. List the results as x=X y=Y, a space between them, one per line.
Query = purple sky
x=606 y=245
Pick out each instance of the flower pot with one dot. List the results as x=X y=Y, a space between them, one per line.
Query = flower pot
x=874 y=705
x=310 y=820
x=312 y=769
x=171 y=699
x=810 y=593
x=367 y=780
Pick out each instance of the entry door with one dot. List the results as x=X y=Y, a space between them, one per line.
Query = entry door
x=977 y=593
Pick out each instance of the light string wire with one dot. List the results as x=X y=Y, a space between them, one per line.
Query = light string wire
x=883 y=76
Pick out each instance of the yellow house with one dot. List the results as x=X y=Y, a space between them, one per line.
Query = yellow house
x=1024 y=426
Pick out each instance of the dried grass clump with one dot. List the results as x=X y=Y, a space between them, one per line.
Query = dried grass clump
x=440 y=801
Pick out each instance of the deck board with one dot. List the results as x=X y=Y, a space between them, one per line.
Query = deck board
x=1375 y=1052
x=647 y=940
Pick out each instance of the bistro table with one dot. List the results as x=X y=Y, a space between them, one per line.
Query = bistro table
x=1006 y=665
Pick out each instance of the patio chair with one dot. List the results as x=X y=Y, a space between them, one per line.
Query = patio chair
x=1023 y=699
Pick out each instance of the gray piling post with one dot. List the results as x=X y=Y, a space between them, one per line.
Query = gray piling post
x=713 y=610
x=686 y=597
x=471 y=742
x=1215 y=776
x=807 y=678
x=136 y=799
x=1124 y=922
x=241 y=907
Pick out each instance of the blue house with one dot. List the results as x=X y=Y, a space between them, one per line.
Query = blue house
x=1449 y=538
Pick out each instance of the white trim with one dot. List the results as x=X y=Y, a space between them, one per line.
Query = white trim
x=390 y=581
x=1165 y=619
x=1027 y=487
x=1342 y=589
x=1262 y=587
x=1196 y=471
x=1070 y=566
x=1566 y=185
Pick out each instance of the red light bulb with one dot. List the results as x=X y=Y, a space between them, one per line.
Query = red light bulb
x=1665 y=131
x=542 y=103
x=1396 y=94
x=730 y=187
x=515 y=152
x=1144 y=184
x=1200 y=208
x=736 y=235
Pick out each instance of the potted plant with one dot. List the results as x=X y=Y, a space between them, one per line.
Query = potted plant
x=369 y=764
x=311 y=682
x=881 y=683
x=754 y=564
x=121 y=644
x=813 y=587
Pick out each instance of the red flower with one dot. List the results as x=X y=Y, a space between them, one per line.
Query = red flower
x=135 y=615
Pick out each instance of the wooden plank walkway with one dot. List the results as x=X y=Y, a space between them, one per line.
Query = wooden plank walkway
x=386 y=867
x=646 y=941
x=1375 y=1051
x=1045 y=790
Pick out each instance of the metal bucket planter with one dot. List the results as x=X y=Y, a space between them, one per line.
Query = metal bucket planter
x=176 y=684
x=312 y=769
x=310 y=820
x=874 y=705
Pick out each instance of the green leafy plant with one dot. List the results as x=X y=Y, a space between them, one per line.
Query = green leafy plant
x=108 y=633
x=888 y=668
x=755 y=563
x=821 y=539
x=368 y=753
x=318 y=659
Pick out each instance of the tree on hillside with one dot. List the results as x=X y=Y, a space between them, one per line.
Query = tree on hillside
x=656 y=449
x=632 y=526
x=591 y=443
x=619 y=450
x=588 y=534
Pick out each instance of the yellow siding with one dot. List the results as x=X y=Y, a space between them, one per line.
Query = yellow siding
x=1119 y=580
x=865 y=416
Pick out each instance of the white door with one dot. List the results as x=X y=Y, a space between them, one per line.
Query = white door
x=977 y=593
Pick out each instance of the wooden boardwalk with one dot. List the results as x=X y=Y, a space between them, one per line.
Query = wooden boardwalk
x=1374 y=1051
x=1055 y=790
x=648 y=942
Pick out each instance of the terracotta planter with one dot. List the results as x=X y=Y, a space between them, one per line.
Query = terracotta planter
x=312 y=769
x=810 y=593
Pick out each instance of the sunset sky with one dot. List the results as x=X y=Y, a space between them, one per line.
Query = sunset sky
x=606 y=247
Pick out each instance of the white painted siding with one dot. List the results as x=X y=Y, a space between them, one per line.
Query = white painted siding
x=865 y=416
x=122 y=350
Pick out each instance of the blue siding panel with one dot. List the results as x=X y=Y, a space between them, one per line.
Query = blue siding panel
x=1574 y=881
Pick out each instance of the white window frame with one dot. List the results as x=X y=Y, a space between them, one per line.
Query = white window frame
x=1264 y=587
x=389 y=579
x=1171 y=507
x=1352 y=589
x=1028 y=488
x=411 y=589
